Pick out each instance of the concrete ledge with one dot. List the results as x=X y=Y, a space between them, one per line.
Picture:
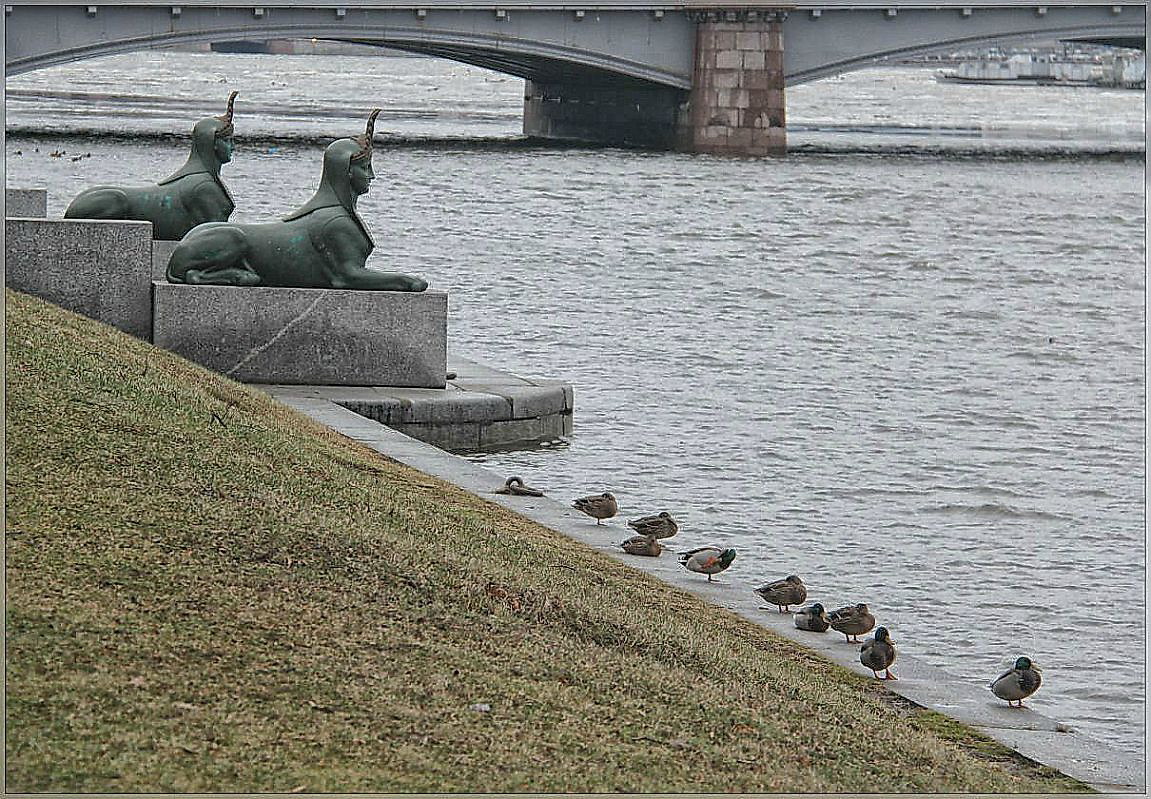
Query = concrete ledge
x=1032 y=734
x=101 y=269
x=480 y=409
x=306 y=336
x=26 y=203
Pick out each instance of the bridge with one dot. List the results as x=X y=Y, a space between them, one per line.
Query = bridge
x=700 y=76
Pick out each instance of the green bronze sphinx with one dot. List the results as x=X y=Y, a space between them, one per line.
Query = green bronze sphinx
x=322 y=244
x=191 y=195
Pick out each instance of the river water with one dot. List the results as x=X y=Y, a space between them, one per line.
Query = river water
x=905 y=362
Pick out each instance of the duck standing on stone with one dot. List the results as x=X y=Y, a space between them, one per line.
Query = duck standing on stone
x=1018 y=683
x=515 y=485
x=852 y=620
x=598 y=506
x=707 y=560
x=642 y=545
x=812 y=618
x=782 y=593
x=878 y=653
x=660 y=525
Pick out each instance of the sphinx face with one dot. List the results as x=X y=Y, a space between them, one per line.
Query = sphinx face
x=224 y=147
x=360 y=175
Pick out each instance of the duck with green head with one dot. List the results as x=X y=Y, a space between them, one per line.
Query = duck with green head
x=709 y=560
x=1018 y=683
x=812 y=618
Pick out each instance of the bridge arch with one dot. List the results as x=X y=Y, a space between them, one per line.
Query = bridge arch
x=822 y=44
x=534 y=45
x=621 y=72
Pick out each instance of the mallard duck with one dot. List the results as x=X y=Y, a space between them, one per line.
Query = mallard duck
x=661 y=525
x=788 y=591
x=515 y=485
x=707 y=560
x=813 y=618
x=598 y=506
x=852 y=621
x=642 y=545
x=1018 y=683
x=878 y=653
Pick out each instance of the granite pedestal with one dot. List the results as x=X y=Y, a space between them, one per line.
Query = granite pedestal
x=99 y=268
x=332 y=337
x=161 y=254
x=31 y=203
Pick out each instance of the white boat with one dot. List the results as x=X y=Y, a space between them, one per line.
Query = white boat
x=1119 y=71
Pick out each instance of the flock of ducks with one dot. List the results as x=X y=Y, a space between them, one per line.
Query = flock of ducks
x=876 y=653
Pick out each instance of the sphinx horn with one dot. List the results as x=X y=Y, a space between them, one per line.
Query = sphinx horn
x=371 y=130
x=226 y=118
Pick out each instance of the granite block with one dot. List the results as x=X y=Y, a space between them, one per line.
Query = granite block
x=450 y=437
x=526 y=401
x=728 y=59
x=292 y=336
x=448 y=406
x=26 y=203
x=100 y=269
x=517 y=431
x=161 y=254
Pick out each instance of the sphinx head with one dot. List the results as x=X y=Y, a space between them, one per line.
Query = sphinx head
x=360 y=174
x=348 y=165
x=212 y=136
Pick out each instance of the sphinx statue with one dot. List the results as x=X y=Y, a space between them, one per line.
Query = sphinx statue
x=322 y=244
x=189 y=196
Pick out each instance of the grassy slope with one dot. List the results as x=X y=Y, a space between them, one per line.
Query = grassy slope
x=208 y=592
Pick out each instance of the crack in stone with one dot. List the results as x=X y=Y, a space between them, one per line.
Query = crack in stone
x=257 y=351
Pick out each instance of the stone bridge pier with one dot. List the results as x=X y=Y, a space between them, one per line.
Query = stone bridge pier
x=734 y=107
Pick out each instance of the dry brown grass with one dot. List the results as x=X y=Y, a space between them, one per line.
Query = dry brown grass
x=209 y=592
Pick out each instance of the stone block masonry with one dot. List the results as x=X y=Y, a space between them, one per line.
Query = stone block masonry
x=32 y=203
x=296 y=336
x=736 y=105
x=98 y=268
x=481 y=408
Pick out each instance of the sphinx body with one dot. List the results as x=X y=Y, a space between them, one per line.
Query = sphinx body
x=323 y=244
x=192 y=195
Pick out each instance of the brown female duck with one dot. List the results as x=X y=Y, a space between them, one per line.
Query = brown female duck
x=852 y=620
x=598 y=506
x=782 y=593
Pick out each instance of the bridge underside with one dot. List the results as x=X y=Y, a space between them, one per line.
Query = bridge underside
x=699 y=80
x=538 y=68
x=1131 y=42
